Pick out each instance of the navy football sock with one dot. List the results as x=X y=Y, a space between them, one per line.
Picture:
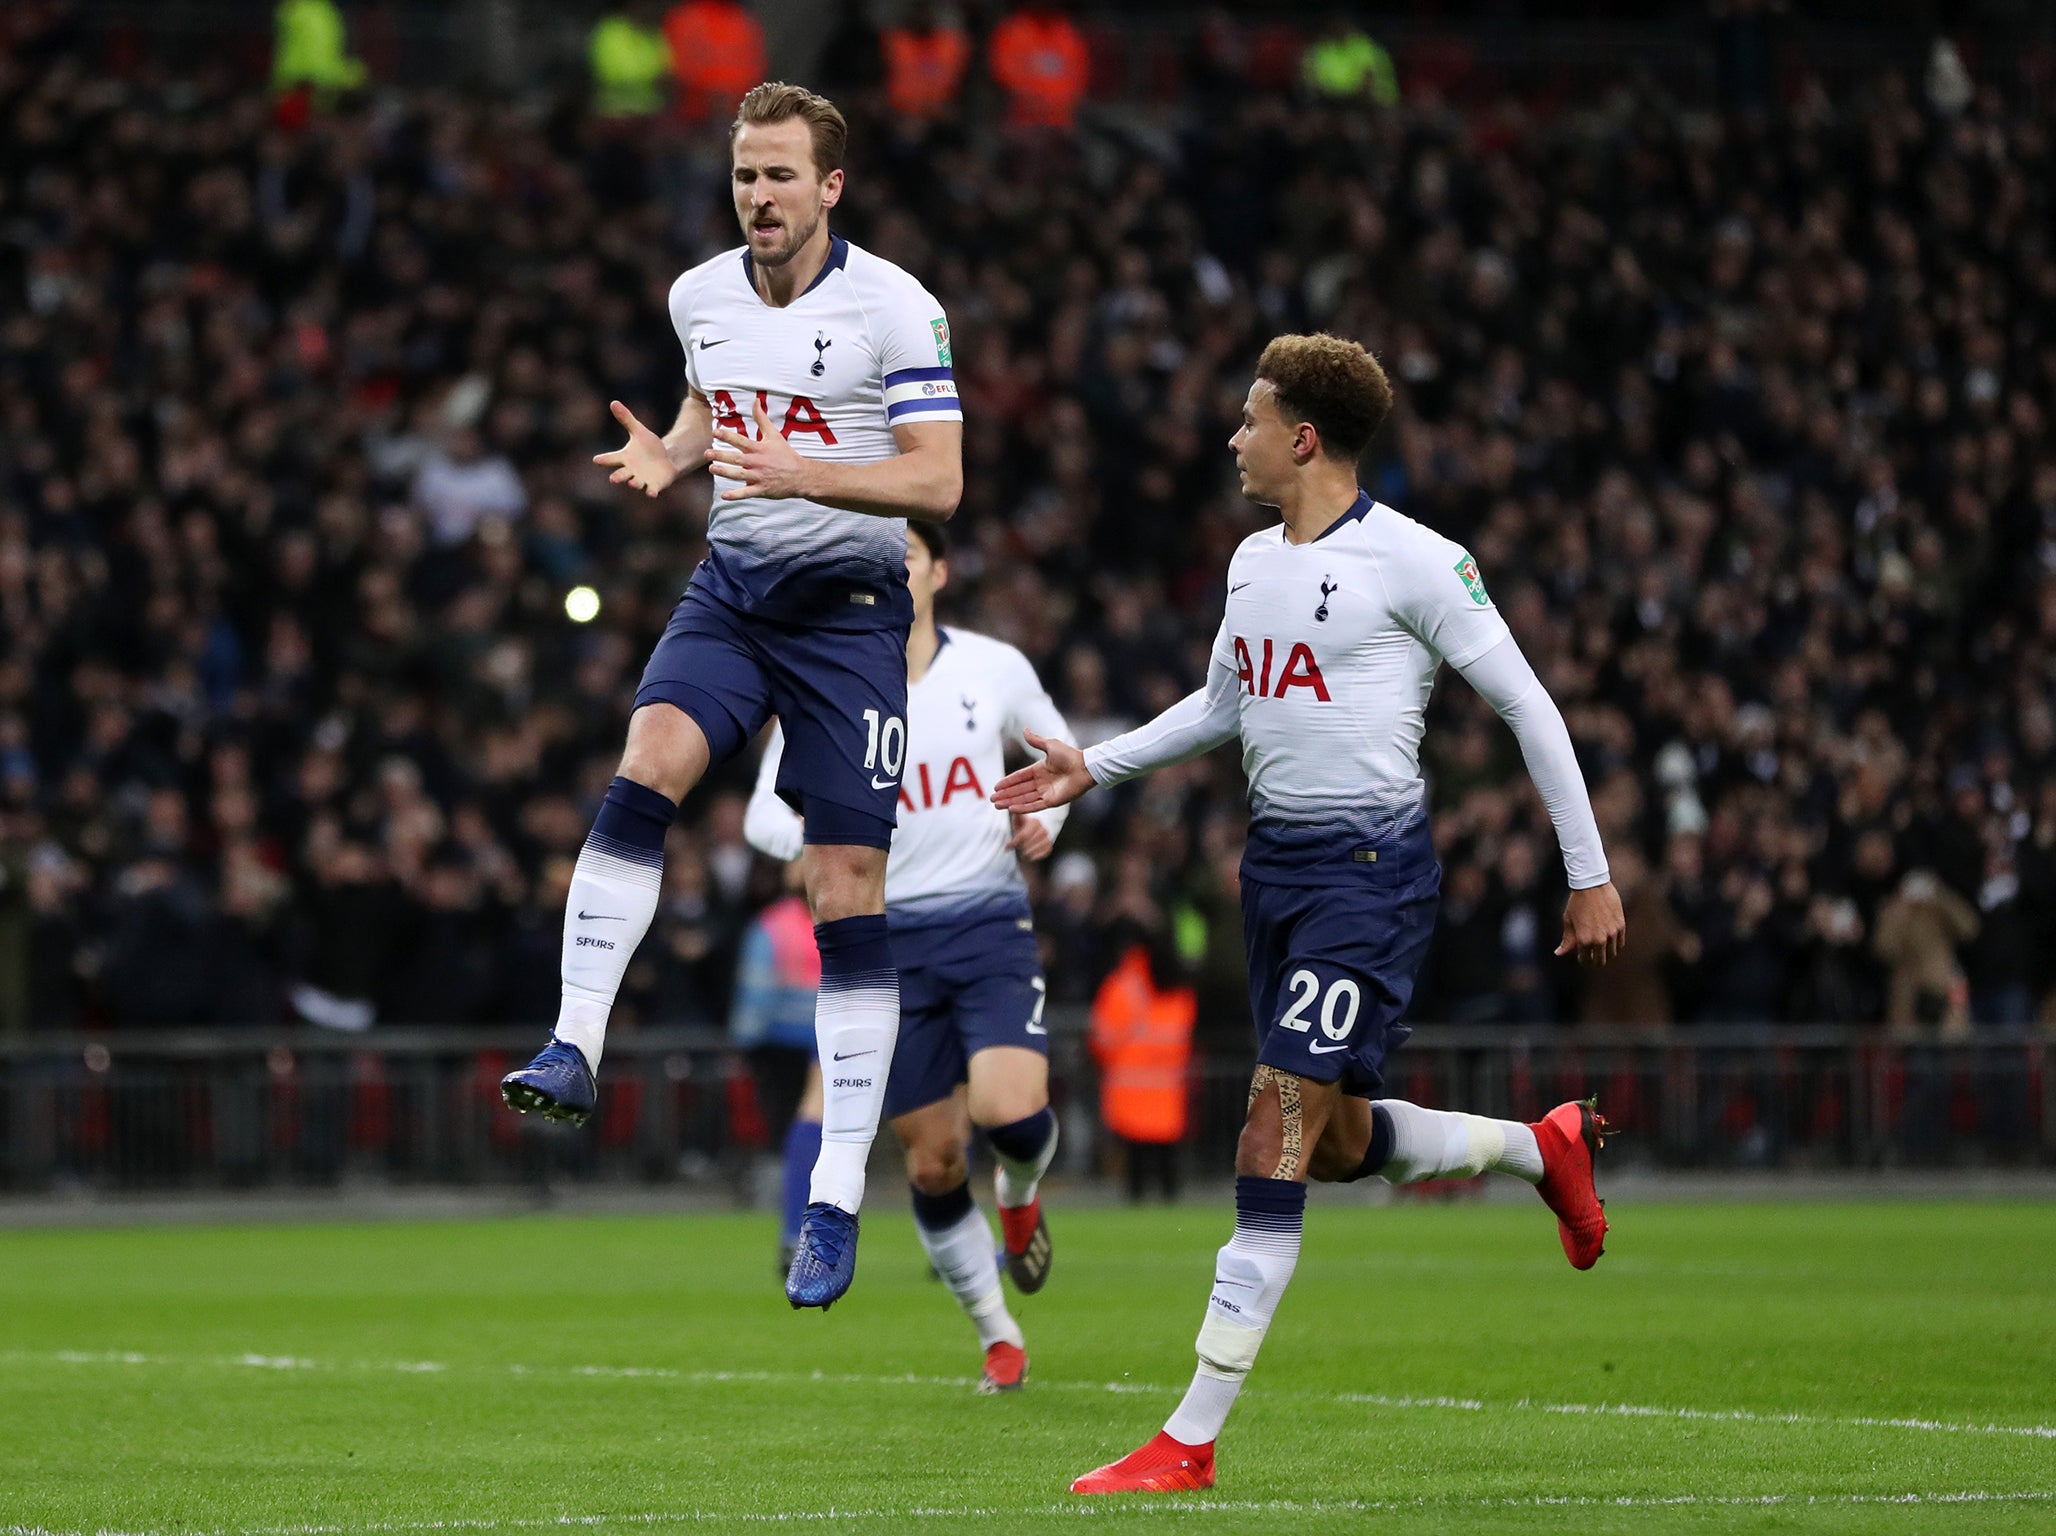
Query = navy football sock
x=802 y=1147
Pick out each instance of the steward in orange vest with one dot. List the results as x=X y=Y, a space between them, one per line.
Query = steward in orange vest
x=924 y=65
x=1142 y=1039
x=717 y=51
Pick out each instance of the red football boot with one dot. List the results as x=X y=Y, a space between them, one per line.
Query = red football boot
x=1162 y=1466
x=1569 y=1137
x=1027 y=1245
x=1006 y=1368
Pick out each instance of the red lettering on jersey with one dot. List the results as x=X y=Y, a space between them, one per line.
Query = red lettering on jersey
x=927 y=789
x=802 y=416
x=1263 y=686
x=905 y=799
x=1301 y=671
x=1245 y=674
x=962 y=777
x=725 y=413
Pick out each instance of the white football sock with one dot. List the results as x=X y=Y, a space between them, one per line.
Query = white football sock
x=856 y=1022
x=1014 y=1182
x=963 y=1255
x=1441 y=1144
x=613 y=897
x=1250 y=1275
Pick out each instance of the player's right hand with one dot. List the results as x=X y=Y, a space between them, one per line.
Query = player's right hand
x=1057 y=780
x=641 y=461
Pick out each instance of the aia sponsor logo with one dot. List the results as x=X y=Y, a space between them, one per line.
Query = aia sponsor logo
x=919 y=791
x=1267 y=680
x=802 y=416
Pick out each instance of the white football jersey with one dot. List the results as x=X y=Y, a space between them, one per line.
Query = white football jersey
x=949 y=851
x=1324 y=662
x=864 y=349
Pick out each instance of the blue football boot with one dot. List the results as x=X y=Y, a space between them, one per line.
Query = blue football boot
x=557 y=1085
x=826 y=1260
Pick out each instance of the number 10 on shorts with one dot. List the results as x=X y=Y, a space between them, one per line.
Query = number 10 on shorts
x=1338 y=1008
x=888 y=741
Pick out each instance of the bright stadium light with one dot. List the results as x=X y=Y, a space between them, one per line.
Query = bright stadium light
x=581 y=605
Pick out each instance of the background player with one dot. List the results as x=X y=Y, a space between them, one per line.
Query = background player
x=1336 y=623
x=800 y=608
x=971 y=988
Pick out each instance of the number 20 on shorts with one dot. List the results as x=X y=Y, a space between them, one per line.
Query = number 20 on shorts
x=1343 y=998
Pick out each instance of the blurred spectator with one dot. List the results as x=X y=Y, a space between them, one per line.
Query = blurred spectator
x=778 y=972
x=1919 y=932
x=1141 y=1040
x=717 y=52
x=1039 y=58
x=630 y=61
x=295 y=470
x=17 y=927
x=851 y=65
x=310 y=49
x=1635 y=987
x=925 y=58
x=1345 y=61
x=460 y=486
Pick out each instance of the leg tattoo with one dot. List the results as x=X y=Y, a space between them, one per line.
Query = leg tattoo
x=1292 y=1146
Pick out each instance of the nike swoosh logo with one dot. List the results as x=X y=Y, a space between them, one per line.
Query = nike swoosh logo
x=600 y=917
x=1037 y=1029
x=878 y=783
x=1240 y=1285
x=704 y=343
x=1316 y=1048
x=1238 y=586
x=853 y=1055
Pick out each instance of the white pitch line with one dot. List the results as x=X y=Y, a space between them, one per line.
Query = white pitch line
x=1093 y=1508
x=254 y=1361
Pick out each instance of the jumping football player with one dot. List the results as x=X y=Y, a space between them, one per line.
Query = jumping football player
x=819 y=392
x=1337 y=620
x=971 y=989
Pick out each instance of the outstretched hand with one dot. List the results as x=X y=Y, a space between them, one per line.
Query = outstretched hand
x=1057 y=780
x=769 y=467
x=1594 y=925
x=641 y=461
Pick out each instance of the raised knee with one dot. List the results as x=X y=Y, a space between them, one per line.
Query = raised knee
x=844 y=881
x=936 y=1170
x=666 y=751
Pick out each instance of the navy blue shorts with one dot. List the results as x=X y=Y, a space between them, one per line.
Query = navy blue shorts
x=963 y=987
x=840 y=695
x=1332 y=968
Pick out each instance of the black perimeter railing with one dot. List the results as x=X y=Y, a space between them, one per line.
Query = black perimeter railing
x=255 y=1108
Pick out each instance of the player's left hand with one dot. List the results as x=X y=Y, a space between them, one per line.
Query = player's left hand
x=1031 y=839
x=1594 y=925
x=769 y=467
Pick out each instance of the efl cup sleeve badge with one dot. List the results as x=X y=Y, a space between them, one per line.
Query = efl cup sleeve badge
x=1473 y=583
x=941 y=328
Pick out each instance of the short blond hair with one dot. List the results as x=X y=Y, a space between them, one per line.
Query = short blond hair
x=1331 y=383
x=776 y=102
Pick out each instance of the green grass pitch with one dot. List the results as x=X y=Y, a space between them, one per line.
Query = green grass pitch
x=1433 y=1368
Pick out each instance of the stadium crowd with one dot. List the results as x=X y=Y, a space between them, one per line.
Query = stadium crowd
x=1746 y=419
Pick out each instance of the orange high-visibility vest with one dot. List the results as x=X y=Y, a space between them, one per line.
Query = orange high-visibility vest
x=1042 y=62
x=717 y=51
x=1142 y=1039
x=924 y=70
